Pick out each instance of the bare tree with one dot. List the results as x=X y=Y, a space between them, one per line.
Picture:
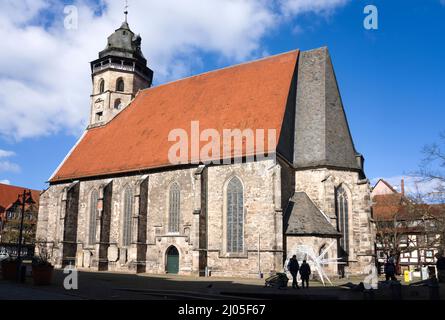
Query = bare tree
x=394 y=225
x=408 y=223
x=432 y=169
x=416 y=221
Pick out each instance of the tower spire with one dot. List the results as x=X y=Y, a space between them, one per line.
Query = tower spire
x=126 y=10
x=116 y=84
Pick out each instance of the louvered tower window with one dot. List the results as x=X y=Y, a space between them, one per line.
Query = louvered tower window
x=101 y=86
x=120 y=85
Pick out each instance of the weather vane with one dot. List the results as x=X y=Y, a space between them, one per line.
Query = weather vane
x=126 y=10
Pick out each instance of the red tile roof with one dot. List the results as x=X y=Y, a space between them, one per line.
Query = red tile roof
x=8 y=195
x=386 y=206
x=389 y=206
x=247 y=96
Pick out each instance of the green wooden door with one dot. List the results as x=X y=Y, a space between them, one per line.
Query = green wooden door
x=172 y=260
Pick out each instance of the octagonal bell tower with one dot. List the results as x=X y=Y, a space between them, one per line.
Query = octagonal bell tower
x=119 y=73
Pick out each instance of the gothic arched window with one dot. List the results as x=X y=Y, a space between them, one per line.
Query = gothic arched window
x=325 y=255
x=174 y=206
x=101 y=86
x=120 y=85
x=128 y=210
x=343 y=217
x=235 y=216
x=118 y=104
x=94 y=198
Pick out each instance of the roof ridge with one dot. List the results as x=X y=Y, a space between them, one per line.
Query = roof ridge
x=220 y=69
x=68 y=154
x=254 y=97
x=17 y=187
x=183 y=79
x=387 y=184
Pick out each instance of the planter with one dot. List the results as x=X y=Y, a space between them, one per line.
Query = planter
x=42 y=275
x=9 y=270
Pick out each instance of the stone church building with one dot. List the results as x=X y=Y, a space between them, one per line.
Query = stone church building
x=117 y=203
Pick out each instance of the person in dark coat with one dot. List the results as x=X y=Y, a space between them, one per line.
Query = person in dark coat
x=293 y=268
x=440 y=264
x=390 y=270
x=305 y=271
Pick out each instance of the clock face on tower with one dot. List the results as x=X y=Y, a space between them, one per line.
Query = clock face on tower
x=99 y=104
x=118 y=74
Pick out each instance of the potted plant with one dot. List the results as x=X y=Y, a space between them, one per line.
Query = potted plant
x=42 y=269
x=9 y=268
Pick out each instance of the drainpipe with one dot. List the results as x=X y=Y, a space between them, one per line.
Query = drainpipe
x=260 y=275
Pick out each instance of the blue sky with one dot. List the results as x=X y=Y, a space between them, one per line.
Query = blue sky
x=391 y=79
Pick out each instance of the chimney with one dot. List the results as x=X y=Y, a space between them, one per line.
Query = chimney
x=402 y=187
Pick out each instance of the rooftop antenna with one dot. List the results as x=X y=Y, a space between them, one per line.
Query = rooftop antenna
x=126 y=10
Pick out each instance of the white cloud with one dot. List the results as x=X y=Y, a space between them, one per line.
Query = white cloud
x=44 y=72
x=6 y=165
x=292 y=7
x=6 y=153
x=5 y=181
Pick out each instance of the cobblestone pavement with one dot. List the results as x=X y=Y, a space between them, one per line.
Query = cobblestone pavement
x=124 y=286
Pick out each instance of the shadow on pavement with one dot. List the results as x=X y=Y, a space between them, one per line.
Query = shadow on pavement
x=121 y=286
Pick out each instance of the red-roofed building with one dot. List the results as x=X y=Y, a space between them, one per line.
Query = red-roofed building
x=9 y=214
x=406 y=228
x=154 y=186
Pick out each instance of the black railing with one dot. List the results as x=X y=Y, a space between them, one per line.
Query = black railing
x=11 y=250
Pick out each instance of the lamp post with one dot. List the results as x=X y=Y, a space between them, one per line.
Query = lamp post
x=22 y=200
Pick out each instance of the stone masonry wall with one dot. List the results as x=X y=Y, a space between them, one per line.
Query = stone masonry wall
x=320 y=185
x=263 y=216
x=105 y=102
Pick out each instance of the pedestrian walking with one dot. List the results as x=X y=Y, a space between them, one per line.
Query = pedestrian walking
x=390 y=270
x=440 y=265
x=293 y=268
x=305 y=272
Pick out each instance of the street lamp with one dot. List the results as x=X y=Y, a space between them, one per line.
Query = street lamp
x=22 y=200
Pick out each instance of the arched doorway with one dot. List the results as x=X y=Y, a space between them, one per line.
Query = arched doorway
x=172 y=258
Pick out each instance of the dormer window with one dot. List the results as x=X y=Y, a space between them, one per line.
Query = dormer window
x=120 y=85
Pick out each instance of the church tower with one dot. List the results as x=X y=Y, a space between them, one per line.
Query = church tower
x=119 y=73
